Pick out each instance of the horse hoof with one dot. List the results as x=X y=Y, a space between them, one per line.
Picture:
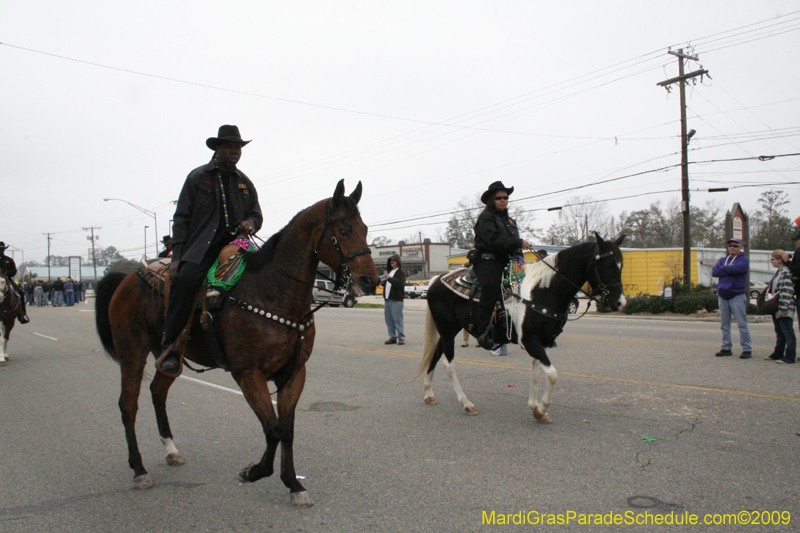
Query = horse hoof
x=3 y=363
x=545 y=419
x=142 y=482
x=431 y=400
x=542 y=418
x=174 y=459
x=244 y=473
x=470 y=410
x=301 y=499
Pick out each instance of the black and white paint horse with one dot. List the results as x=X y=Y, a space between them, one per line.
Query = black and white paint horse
x=539 y=313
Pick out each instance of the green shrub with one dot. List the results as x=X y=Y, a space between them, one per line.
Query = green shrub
x=688 y=304
x=710 y=301
x=646 y=303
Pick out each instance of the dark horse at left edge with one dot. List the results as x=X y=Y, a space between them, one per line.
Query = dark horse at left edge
x=266 y=329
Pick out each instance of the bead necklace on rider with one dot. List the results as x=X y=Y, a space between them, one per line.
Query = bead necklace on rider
x=224 y=199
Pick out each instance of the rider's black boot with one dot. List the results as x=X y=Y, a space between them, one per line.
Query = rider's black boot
x=169 y=363
x=486 y=340
x=23 y=314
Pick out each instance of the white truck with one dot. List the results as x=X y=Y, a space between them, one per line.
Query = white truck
x=414 y=290
x=322 y=293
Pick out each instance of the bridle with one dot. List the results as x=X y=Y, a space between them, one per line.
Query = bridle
x=343 y=272
x=601 y=287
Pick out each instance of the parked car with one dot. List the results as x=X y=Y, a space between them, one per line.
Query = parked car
x=573 y=306
x=418 y=289
x=321 y=293
x=756 y=288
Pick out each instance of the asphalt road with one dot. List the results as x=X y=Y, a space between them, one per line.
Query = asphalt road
x=376 y=458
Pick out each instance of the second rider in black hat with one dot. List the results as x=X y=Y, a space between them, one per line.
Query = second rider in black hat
x=496 y=238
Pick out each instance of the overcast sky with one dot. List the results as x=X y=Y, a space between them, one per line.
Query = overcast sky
x=425 y=102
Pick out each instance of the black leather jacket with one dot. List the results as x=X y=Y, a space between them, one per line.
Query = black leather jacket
x=197 y=217
x=8 y=264
x=496 y=232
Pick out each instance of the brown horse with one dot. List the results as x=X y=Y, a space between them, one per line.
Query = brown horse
x=265 y=328
x=9 y=310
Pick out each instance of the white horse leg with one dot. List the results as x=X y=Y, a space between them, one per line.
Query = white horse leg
x=428 y=389
x=173 y=456
x=540 y=398
x=3 y=345
x=469 y=408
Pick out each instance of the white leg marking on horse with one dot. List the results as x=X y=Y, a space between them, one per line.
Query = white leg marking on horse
x=173 y=457
x=540 y=398
x=3 y=345
x=428 y=389
x=450 y=368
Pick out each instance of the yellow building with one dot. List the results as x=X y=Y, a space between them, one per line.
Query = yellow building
x=643 y=272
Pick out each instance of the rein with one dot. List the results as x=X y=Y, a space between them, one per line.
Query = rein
x=602 y=287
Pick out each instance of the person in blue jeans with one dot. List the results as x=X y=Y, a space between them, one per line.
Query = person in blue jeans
x=781 y=284
x=69 y=293
x=732 y=292
x=394 y=286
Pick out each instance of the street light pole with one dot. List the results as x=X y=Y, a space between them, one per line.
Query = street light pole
x=146 y=212
x=145 y=242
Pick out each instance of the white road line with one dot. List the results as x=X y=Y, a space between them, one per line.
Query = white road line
x=214 y=385
x=200 y=381
x=45 y=336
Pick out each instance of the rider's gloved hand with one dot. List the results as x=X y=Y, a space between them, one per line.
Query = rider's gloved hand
x=245 y=228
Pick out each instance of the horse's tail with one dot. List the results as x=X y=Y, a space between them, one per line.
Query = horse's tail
x=431 y=342
x=103 y=293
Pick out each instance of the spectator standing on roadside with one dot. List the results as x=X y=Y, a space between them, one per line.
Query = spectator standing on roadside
x=732 y=293
x=57 y=293
x=38 y=296
x=69 y=293
x=781 y=284
x=794 y=268
x=393 y=294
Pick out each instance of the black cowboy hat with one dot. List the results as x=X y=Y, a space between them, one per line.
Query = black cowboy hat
x=166 y=239
x=796 y=235
x=3 y=245
x=227 y=133
x=493 y=188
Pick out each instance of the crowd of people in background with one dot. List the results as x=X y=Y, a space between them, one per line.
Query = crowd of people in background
x=58 y=293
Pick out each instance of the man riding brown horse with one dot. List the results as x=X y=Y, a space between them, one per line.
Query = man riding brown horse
x=9 y=268
x=217 y=203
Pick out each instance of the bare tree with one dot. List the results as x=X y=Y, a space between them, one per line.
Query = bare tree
x=770 y=228
x=459 y=231
x=578 y=220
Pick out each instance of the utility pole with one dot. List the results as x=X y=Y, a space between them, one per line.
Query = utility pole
x=687 y=221
x=94 y=257
x=48 y=254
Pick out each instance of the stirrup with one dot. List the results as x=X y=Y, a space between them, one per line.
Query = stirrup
x=486 y=340
x=163 y=356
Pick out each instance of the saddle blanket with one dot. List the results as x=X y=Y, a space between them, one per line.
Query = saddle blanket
x=156 y=272
x=463 y=282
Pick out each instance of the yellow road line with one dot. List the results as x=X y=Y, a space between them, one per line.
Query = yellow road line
x=574 y=374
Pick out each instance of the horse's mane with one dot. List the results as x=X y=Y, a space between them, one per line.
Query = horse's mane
x=263 y=256
x=538 y=274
